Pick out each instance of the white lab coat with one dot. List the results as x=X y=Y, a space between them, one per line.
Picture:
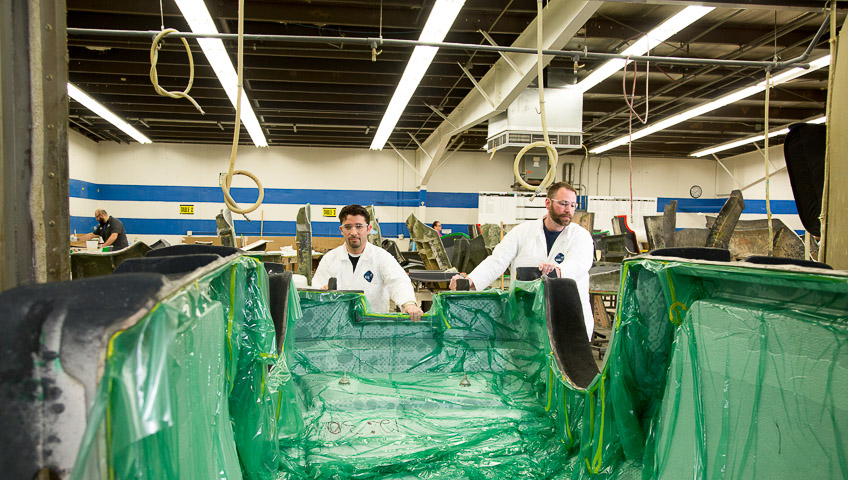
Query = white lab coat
x=377 y=274
x=525 y=246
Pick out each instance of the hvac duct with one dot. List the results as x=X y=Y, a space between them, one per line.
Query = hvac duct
x=521 y=124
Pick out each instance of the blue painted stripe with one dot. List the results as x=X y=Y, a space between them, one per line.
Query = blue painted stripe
x=159 y=226
x=284 y=196
x=713 y=205
x=452 y=200
x=81 y=189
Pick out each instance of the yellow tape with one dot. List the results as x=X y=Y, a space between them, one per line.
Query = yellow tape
x=565 y=409
x=598 y=460
x=230 y=317
x=674 y=302
x=671 y=312
x=624 y=270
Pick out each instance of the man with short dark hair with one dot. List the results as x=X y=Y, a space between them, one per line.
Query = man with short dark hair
x=110 y=229
x=553 y=244
x=359 y=265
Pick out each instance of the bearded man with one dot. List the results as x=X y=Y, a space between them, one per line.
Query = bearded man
x=553 y=244
x=359 y=265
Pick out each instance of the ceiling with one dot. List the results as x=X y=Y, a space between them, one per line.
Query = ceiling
x=334 y=95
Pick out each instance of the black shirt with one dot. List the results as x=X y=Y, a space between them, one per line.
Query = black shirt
x=353 y=260
x=550 y=237
x=112 y=225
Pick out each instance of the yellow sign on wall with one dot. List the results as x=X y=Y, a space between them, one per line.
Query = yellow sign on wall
x=186 y=209
x=329 y=212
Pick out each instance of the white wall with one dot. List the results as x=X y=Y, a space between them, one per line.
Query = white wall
x=749 y=168
x=340 y=171
x=652 y=177
x=83 y=156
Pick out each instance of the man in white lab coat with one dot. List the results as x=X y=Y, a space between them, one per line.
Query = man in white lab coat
x=359 y=265
x=552 y=243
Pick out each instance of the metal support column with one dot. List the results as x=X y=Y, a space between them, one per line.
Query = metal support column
x=34 y=139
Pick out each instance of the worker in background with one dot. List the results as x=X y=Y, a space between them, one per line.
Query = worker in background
x=553 y=243
x=110 y=229
x=359 y=265
x=437 y=226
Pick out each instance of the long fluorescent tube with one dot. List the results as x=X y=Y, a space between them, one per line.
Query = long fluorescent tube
x=200 y=21
x=717 y=103
x=678 y=22
x=105 y=113
x=438 y=24
x=745 y=141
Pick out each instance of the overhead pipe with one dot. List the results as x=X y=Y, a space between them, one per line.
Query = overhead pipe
x=374 y=42
x=804 y=56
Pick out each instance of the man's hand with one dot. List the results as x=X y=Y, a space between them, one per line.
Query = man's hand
x=459 y=276
x=547 y=268
x=413 y=310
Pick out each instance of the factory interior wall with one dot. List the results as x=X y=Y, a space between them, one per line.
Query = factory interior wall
x=82 y=169
x=748 y=168
x=144 y=186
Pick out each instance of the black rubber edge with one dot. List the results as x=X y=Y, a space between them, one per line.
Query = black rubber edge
x=694 y=253
x=193 y=249
x=170 y=265
x=279 y=285
x=567 y=331
x=528 y=274
x=765 y=260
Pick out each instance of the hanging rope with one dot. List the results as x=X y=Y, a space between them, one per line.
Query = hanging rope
x=766 y=156
x=228 y=179
x=630 y=101
x=822 y=257
x=553 y=157
x=154 y=76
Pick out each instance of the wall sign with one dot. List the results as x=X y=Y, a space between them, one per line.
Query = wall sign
x=329 y=212
x=186 y=209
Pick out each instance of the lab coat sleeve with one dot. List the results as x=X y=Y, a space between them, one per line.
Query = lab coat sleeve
x=324 y=271
x=396 y=280
x=495 y=264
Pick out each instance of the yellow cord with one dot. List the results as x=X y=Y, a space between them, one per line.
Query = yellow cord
x=822 y=255
x=154 y=76
x=766 y=157
x=228 y=179
x=553 y=157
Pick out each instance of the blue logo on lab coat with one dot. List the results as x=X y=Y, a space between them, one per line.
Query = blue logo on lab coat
x=369 y=276
x=559 y=258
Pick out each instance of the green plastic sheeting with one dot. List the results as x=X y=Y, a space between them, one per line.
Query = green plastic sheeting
x=458 y=394
x=185 y=392
x=714 y=371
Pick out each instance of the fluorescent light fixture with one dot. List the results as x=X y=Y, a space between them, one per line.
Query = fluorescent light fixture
x=438 y=24
x=745 y=141
x=683 y=19
x=200 y=21
x=105 y=113
x=717 y=103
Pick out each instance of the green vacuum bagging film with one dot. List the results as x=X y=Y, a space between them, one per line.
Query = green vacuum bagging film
x=713 y=371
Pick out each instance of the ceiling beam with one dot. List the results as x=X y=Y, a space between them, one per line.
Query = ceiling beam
x=562 y=19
